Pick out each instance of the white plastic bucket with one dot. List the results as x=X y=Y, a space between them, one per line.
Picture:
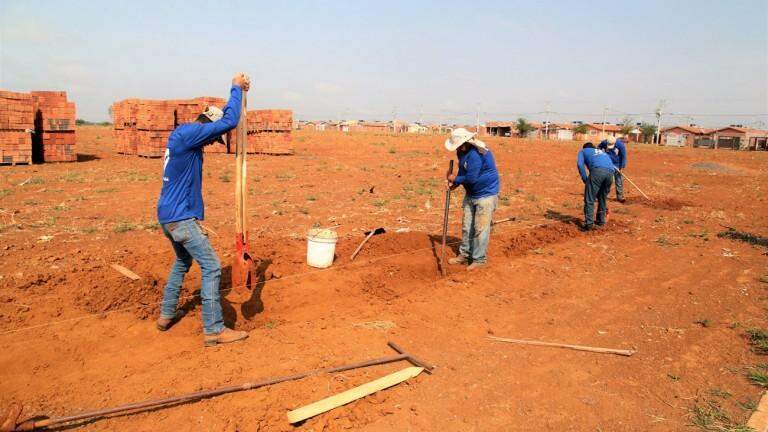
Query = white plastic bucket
x=321 y=246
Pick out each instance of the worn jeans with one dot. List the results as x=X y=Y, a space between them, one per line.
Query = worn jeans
x=190 y=243
x=597 y=188
x=619 y=184
x=476 y=227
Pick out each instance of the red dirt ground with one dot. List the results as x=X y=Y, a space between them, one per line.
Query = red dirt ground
x=76 y=335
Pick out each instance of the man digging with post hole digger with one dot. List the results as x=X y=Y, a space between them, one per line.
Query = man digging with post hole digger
x=478 y=174
x=597 y=185
x=618 y=153
x=180 y=207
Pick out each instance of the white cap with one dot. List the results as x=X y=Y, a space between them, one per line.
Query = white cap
x=611 y=141
x=213 y=113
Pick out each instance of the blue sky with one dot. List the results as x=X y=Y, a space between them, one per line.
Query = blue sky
x=441 y=61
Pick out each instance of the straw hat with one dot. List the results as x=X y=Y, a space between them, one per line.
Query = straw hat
x=460 y=136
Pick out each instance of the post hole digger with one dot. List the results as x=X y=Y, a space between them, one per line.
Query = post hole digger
x=243 y=266
x=11 y=421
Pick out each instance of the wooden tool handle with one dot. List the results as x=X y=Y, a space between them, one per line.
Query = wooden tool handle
x=240 y=151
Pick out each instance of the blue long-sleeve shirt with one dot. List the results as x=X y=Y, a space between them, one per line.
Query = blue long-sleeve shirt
x=182 y=196
x=618 y=154
x=593 y=158
x=477 y=173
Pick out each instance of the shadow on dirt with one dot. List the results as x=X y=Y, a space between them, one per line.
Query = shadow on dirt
x=249 y=308
x=451 y=247
x=745 y=237
x=86 y=157
x=561 y=217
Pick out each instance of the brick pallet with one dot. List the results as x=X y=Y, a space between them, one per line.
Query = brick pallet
x=142 y=127
x=16 y=123
x=55 y=139
x=269 y=132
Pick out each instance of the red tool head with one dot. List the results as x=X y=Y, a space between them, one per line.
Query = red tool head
x=243 y=267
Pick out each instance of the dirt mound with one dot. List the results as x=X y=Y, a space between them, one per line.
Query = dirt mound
x=660 y=203
x=394 y=243
x=521 y=243
x=142 y=297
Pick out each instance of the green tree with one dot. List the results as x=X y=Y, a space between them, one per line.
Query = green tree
x=647 y=131
x=523 y=127
x=627 y=125
x=581 y=129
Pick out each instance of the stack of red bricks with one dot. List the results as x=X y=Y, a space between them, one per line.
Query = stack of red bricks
x=54 y=126
x=269 y=132
x=142 y=127
x=124 y=124
x=155 y=120
x=17 y=118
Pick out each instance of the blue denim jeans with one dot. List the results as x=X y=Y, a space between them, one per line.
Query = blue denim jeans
x=597 y=188
x=190 y=243
x=619 y=185
x=476 y=227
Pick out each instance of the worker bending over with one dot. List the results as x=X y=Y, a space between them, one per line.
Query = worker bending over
x=597 y=185
x=618 y=152
x=478 y=174
x=181 y=207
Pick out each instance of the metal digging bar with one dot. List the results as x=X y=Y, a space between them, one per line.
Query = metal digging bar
x=14 y=412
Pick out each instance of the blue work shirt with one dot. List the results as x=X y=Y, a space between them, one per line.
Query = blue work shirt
x=593 y=158
x=182 y=196
x=618 y=154
x=477 y=173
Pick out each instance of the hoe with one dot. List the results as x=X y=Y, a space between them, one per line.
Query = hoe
x=11 y=422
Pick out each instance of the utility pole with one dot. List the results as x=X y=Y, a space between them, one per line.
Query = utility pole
x=421 y=115
x=659 y=111
x=605 y=112
x=478 y=118
x=546 y=121
x=394 y=119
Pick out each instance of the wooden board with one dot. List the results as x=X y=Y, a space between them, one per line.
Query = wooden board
x=759 y=419
x=125 y=272
x=622 y=352
x=352 y=394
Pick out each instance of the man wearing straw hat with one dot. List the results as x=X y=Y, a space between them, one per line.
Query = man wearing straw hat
x=478 y=174
x=616 y=149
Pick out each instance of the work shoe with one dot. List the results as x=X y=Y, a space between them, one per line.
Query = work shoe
x=586 y=228
x=621 y=199
x=164 y=324
x=475 y=266
x=225 y=336
x=461 y=259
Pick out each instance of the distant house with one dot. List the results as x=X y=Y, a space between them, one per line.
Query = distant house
x=557 y=131
x=417 y=128
x=373 y=127
x=598 y=131
x=740 y=138
x=504 y=129
x=685 y=136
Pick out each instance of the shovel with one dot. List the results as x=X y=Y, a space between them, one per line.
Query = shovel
x=243 y=268
x=443 y=268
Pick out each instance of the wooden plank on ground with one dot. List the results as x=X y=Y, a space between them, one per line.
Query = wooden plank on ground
x=352 y=394
x=125 y=272
x=559 y=345
x=759 y=419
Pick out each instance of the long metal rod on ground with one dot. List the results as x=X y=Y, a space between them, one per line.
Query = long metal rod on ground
x=10 y=425
x=559 y=345
x=633 y=184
